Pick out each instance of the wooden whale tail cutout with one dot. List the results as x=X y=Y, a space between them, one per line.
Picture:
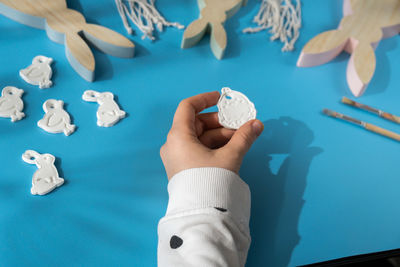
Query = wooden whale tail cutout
x=365 y=23
x=69 y=27
x=213 y=15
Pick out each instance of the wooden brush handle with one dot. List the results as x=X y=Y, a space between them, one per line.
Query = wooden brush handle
x=391 y=117
x=382 y=131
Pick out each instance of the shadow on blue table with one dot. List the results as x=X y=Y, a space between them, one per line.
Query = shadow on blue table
x=234 y=29
x=381 y=79
x=277 y=198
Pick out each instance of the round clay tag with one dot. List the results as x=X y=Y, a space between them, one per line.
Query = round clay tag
x=234 y=109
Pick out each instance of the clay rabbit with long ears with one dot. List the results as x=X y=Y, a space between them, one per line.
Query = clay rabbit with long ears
x=69 y=27
x=364 y=24
x=11 y=104
x=109 y=112
x=46 y=178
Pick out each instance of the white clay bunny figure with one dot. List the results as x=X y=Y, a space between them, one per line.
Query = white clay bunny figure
x=56 y=119
x=11 y=104
x=39 y=73
x=109 y=112
x=46 y=178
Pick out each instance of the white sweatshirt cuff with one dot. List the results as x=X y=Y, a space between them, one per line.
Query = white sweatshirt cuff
x=209 y=188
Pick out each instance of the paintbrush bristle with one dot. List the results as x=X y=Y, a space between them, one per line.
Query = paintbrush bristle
x=347 y=101
x=329 y=112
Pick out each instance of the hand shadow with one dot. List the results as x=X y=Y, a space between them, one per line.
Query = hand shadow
x=277 y=199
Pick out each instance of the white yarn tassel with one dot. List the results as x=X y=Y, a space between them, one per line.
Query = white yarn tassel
x=282 y=18
x=144 y=15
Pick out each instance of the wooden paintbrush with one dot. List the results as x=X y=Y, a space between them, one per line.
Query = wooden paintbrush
x=376 y=111
x=368 y=126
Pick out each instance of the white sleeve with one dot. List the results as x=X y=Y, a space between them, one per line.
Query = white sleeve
x=207 y=220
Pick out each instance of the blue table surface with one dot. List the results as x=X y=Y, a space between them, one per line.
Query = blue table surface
x=321 y=188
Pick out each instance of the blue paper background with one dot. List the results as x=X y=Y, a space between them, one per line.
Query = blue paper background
x=321 y=188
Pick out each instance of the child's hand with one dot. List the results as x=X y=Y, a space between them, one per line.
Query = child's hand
x=198 y=140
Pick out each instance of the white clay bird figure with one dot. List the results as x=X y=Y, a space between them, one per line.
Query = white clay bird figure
x=39 y=73
x=56 y=119
x=11 y=104
x=109 y=112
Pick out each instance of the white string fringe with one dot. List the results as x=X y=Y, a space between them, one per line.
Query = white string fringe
x=144 y=15
x=282 y=18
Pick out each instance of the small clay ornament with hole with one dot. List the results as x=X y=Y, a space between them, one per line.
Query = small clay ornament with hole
x=234 y=109
x=46 y=178
x=56 y=119
x=39 y=73
x=109 y=112
x=11 y=104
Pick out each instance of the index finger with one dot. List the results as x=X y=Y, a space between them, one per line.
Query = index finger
x=185 y=115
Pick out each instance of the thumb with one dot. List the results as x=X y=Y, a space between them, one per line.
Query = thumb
x=244 y=137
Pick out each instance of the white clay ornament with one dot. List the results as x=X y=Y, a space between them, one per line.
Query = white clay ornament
x=11 y=104
x=56 y=119
x=234 y=109
x=46 y=178
x=39 y=73
x=109 y=112
x=213 y=15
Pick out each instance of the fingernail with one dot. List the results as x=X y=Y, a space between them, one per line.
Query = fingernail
x=258 y=127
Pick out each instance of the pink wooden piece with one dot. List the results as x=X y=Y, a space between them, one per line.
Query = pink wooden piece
x=364 y=25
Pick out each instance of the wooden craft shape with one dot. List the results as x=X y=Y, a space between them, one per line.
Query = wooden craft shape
x=67 y=26
x=364 y=24
x=213 y=14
